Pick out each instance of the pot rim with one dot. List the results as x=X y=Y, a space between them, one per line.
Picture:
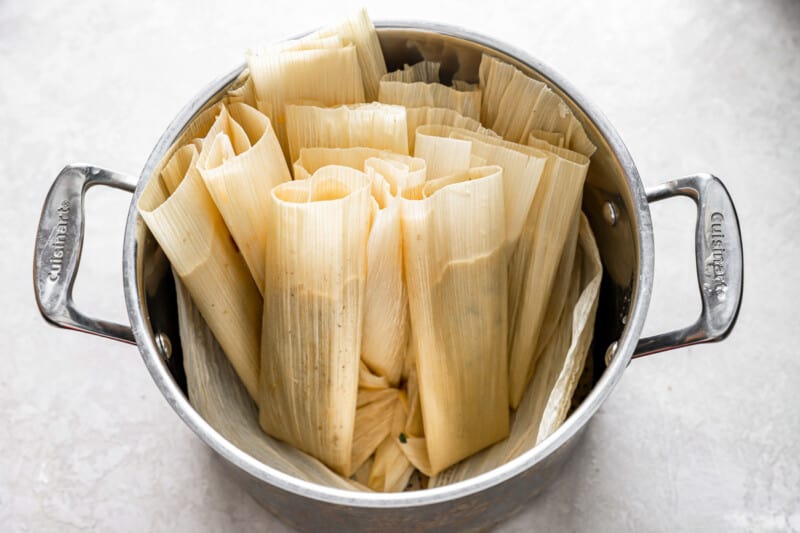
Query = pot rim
x=642 y=289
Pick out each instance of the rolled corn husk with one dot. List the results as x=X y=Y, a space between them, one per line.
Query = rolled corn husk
x=548 y=397
x=240 y=165
x=313 y=306
x=443 y=155
x=420 y=116
x=534 y=261
x=386 y=320
x=514 y=105
x=219 y=396
x=368 y=125
x=422 y=94
x=453 y=235
x=373 y=423
x=322 y=68
x=187 y=225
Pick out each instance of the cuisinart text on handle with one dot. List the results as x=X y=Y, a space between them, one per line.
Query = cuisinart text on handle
x=58 y=239
x=716 y=263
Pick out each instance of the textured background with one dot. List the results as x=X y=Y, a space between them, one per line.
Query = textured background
x=702 y=439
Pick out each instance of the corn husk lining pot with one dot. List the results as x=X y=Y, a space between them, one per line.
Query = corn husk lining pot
x=615 y=203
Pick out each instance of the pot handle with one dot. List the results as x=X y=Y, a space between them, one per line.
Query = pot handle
x=59 y=241
x=720 y=268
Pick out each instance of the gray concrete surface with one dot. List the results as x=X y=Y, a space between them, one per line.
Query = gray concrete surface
x=700 y=439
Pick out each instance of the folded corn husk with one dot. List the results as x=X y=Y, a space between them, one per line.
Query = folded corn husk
x=443 y=155
x=522 y=168
x=533 y=263
x=548 y=397
x=424 y=71
x=315 y=282
x=322 y=68
x=219 y=396
x=368 y=125
x=240 y=163
x=515 y=105
x=312 y=159
x=420 y=116
x=386 y=320
x=181 y=215
x=391 y=469
x=453 y=234
x=422 y=94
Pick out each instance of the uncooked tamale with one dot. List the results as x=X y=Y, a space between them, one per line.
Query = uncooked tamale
x=369 y=125
x=515 y=105
x=187 y=225
x=240 y=165
x=453 y=235
x=314 y=293
x=534 y=261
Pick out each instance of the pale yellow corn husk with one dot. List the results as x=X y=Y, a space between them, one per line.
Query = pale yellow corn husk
x=391 y=469
x=420 y=116
x=522 y=169
x=416 y=451
x=413 y=426
x=533 y=264
x=548 y=397
x=359 y=30
x=553 y=138
x=461 y=85
x=400 y=171
x=218 y=395
x=424 y=71
x=443 y=155
x=240 y=181
x=368 y=380
x=367 y=396
x=314 y=293
x=421 y=94
x=373 y=423
x=361 y=476
x=244 y=93
x=312 y=159
x=367 y=125
x=453 y=235
x=188 y=227
x=386 y=320
x=515 y=105
x=282 y=75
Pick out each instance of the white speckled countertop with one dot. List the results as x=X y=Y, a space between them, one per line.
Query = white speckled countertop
x=700 y=439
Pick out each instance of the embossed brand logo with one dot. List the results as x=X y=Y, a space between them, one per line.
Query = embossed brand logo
x=716 y=266
x=59 y=238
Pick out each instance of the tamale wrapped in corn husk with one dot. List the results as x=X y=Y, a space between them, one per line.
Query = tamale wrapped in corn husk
x=313 y=307
x=534 y=261
x=386 y=320
x=368 y=125
x=515 y=105
x=187 y=225
x=453 y=235
x=217 y=393
x=421 y=94
x=322 y=69
x=240 y=165
x=548 y=397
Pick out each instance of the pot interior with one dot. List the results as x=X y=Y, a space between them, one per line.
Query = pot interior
x=608 y=200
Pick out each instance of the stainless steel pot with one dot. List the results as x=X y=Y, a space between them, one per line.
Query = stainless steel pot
x=614 y=201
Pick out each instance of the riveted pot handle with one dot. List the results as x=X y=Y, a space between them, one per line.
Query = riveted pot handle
x=720 y=268
x=59 y=241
